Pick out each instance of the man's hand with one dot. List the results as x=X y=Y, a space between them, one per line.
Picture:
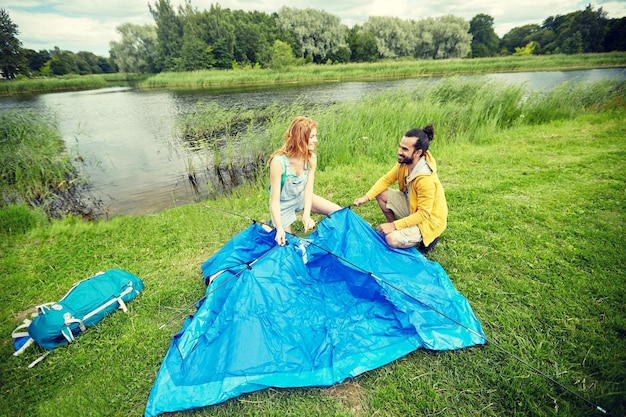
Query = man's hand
x=386 y=228
x=361 y=200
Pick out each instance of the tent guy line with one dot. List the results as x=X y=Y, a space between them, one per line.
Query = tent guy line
x=490 y=342
x=248 y=265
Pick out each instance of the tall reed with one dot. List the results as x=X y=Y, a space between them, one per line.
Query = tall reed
x=465 y=110
x=34 y=164
x=460 y=110
x=566 y=100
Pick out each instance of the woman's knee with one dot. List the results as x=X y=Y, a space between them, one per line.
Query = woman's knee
x=323 y=206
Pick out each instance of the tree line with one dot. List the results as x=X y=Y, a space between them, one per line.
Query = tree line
x=583 y=31
x=17 y=61
x=189 y=39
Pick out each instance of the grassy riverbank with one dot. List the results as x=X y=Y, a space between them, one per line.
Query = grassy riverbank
x=535 y=243
x=389 y=69
x=65 y=83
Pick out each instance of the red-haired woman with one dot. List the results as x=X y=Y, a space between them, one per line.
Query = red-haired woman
x=292 y=175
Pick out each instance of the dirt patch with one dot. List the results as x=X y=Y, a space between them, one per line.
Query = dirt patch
x=351 y=396
x=26 y=314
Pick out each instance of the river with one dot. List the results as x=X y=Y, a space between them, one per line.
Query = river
x=125 y=136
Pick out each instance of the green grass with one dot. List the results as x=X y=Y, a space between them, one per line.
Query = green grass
x=535 y=242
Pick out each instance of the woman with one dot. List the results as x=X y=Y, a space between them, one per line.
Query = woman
x=292 y=175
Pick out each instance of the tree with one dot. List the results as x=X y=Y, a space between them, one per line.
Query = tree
x=543 y=40
x=518 y=37
x=394 y=36
x=591 y=25
x=485 y=42
x=250 y=39
x=63 y=62
x=317 y=33
x=451 y=37
x=424 y=47
x=195 y=55
x=169 y=29
x=10 y=57
x=137 y=50
x=576 y=32
x=88 y=63
x=223 y=53
x=282 y=55
x=107 y=65
x=615 y=39
x=215 y=28
x=36 y=60
x=363 y=46
x=527 y=50
x=339 y=56
x=573 y=44
x=255 y=33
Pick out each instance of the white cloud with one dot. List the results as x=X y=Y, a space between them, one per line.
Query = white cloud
x=45 y=31
x=79 y=25
x=74 y=25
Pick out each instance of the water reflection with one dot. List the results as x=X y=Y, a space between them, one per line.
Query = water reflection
x=127 y=136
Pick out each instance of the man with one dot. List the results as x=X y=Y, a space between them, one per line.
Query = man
x=417 y=212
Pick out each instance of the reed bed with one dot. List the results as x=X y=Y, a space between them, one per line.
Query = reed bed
x=36 y=169
x=32 y=156
x=462 y=110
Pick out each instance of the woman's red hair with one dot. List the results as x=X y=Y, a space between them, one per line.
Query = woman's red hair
x=297 y=139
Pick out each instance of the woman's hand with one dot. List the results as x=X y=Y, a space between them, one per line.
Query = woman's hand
x=308 y=222
x=361 y=200
x=280 y=237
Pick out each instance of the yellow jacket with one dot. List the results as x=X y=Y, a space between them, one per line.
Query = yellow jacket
x=427 y=199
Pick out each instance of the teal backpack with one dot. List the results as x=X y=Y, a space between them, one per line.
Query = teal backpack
x=85 y=305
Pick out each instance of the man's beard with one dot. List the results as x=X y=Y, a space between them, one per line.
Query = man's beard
x=405 y=161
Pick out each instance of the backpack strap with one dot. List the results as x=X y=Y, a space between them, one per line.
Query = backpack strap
x=39 y=359
x=18 y=334
x=69 y=319
x=26 y=340
x=119 y=300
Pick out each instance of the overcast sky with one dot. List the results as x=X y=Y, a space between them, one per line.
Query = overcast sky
x=89 y=25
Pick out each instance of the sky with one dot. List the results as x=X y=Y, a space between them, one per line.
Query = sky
x=90 y=25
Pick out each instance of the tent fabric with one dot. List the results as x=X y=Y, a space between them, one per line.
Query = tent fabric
x=312 y=313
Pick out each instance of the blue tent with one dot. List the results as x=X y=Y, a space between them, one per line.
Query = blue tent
x=311 y=313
